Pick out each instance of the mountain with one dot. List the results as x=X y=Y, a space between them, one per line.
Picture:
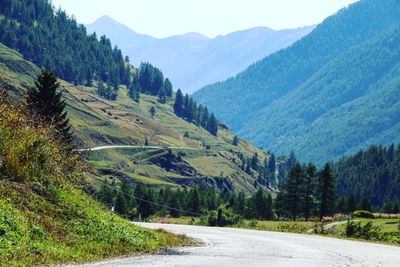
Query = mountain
x=196 y=157
x=193 y=60
x=329 y=94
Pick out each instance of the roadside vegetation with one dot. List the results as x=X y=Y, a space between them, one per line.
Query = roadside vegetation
x=45 y=216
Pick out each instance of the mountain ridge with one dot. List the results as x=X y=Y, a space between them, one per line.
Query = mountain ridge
x=265 y=86
x=196 y=61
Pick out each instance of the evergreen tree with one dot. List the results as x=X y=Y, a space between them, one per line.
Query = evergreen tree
x=309 y=190
x=235 y=140
x=293 y=189
x=212 y=125
x=351 y=203
x=175 y=203
x=178 y=105
x=162 y=95
x=152 y=111
x=194 y=200
x=327 y=192
x=105 y=194
x=45 y=101
x=365 y=204
x=270 y=168
x=121 y=205
x=254 y=161
x=168 y=87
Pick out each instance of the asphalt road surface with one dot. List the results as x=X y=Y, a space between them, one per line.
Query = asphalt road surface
x=237 y=247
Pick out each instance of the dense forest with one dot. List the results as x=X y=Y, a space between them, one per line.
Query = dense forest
x=51 y=39
x=185 y=107
x=344 y=69
x=373 y=173
x=315 y=198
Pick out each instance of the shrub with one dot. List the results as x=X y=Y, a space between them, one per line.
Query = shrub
x=363 y=214
x=223 y=216
x=366 y=231
x=291 y=227
x=30 y=151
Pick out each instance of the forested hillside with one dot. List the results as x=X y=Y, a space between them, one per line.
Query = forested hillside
x=50 y=38
x=373 y=173
x=298 y=98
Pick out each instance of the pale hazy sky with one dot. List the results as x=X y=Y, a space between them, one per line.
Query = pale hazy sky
x=161 y=18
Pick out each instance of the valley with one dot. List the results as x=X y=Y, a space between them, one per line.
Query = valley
x=104 y=152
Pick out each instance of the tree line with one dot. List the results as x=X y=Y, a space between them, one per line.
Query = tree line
x=150 y=80
x=144 y=201
x=186 y=107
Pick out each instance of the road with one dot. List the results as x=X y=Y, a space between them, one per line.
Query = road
x=97 y=148
x=238 y=247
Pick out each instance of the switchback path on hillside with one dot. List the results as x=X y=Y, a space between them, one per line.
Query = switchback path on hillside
x=97 y=148
x=240 y=247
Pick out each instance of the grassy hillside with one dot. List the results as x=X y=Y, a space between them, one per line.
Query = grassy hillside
x=290 y=100
x=45 y=217
x=199 y=158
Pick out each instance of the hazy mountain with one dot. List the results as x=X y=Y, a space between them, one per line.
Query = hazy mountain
x=332 y=92
x=193 y=60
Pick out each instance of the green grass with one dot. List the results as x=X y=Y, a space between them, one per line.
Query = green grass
x=45 y=216
x=387 y=225
x=70 y=227
x=212 y=166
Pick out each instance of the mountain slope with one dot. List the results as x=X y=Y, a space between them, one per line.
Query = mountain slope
x=291 y=100
x=198 y=158
x=193 y=60
x=45 y=216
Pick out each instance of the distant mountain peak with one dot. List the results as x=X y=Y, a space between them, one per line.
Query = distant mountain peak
x=106 y=19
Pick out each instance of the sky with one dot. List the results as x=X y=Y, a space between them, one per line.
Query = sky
x=162 y=18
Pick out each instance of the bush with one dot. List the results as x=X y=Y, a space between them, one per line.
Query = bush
x=366 y=231
x=363 y=214
x=223 y=216
x=29 y=150
x=291 y=227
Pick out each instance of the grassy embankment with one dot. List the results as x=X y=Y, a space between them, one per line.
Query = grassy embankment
x=45 y=217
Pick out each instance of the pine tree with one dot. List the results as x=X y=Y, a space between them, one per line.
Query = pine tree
x=309 y=190
x=212 y=125
x=168 y=87
x=327 y=192
x=235 y=140
x=162 y=95
x=105 y=194
x=351 y=205
x=178 y=105
x=194 y=200
x=175 y=203
x=270 y=167
x=121 y=205
x=254 y=161
x=293 y=189
x=365 y=204
x=152 y=111
x=45 y=101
